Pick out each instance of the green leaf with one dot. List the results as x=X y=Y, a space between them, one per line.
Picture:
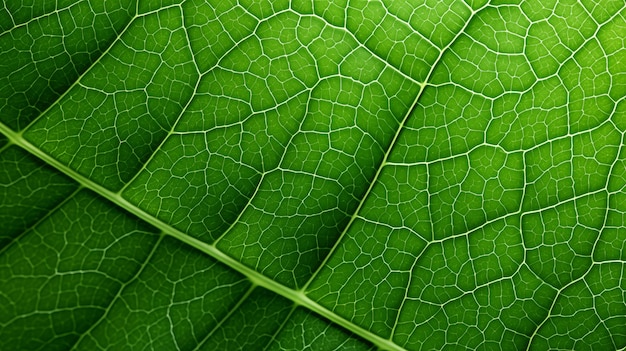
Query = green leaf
x=274 y=175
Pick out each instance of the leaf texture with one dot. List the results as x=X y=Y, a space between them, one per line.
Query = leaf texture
x=275 y=175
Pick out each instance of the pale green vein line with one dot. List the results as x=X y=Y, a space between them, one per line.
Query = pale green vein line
x=88 y=69
x=226 y=317
x=54 y=12
x=264 y=174
x=549 y=315
x=180 y=114
x=297 y=296
x=583 y=276
x=119 y=293
x=40 y=220
x=361 y=44
x=383 y=163
x=6 y=146
x=280 y=328
x=77 y=81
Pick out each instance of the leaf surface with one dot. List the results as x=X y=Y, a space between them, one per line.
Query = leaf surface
x=359 y=175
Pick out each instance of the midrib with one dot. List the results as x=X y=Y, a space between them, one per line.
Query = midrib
x=253 y=276
x=297 y=296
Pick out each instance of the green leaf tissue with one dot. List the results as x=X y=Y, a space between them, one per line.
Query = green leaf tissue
x=313 y=175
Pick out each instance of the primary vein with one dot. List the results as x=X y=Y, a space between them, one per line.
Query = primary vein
x=255 y=277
